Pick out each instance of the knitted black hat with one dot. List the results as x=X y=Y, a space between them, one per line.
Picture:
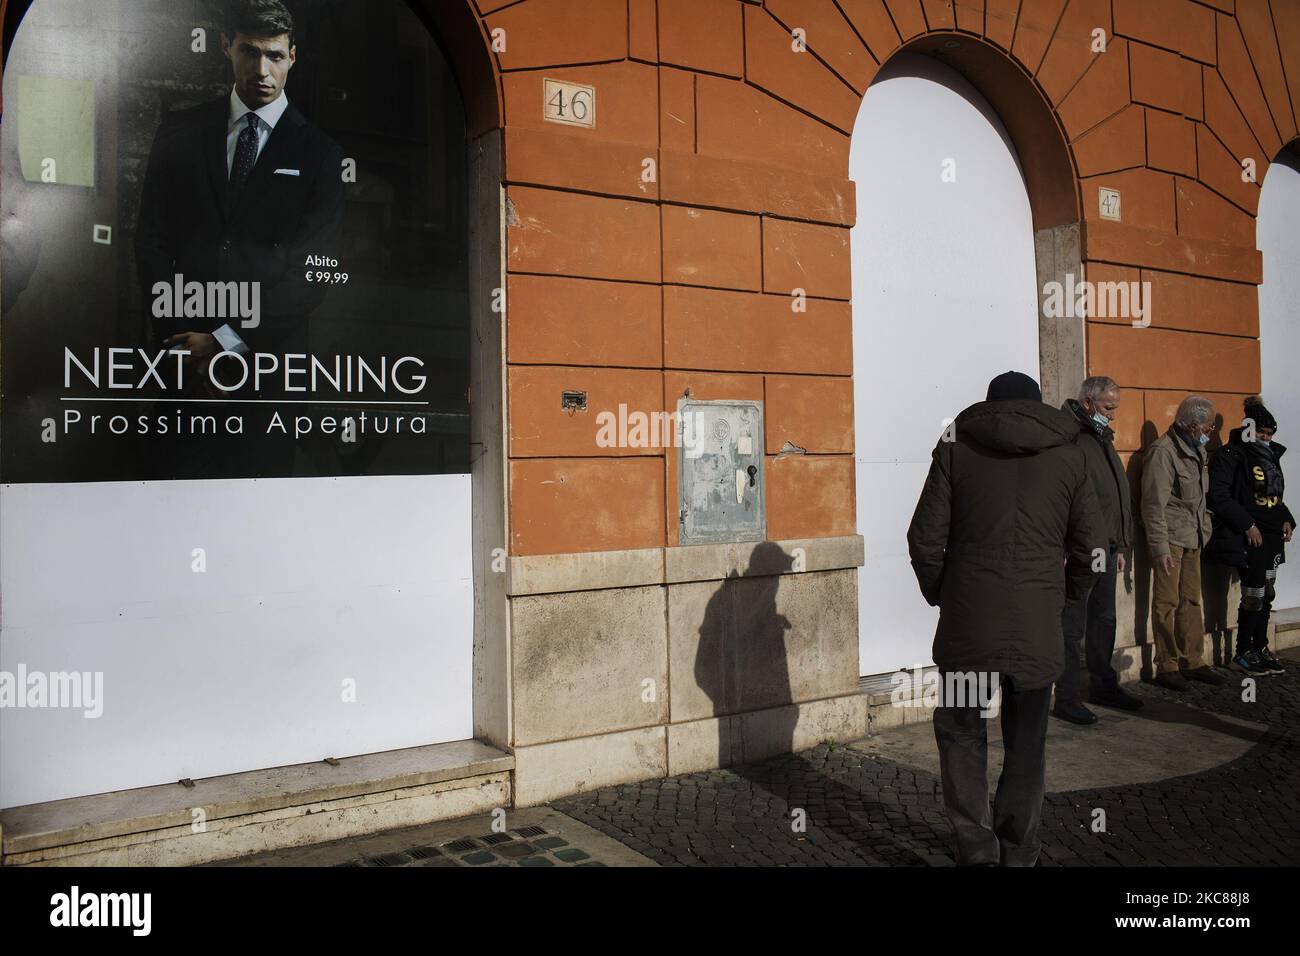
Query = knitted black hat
x=1013 y=385
x=1255 y=409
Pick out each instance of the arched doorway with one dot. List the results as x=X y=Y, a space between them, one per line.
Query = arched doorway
x=1279 y=332
x=307 y=593
x=948 y=258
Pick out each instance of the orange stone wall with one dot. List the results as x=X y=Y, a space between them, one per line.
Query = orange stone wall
x=637 y=291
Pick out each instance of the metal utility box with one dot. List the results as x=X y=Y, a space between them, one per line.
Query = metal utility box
x=720 y=486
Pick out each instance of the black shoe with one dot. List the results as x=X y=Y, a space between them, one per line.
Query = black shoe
x=1249 y=663
x=1171 y=679
x=1269 y=661
x=1207 y=675
x=1117 y=698
x=1074 y=712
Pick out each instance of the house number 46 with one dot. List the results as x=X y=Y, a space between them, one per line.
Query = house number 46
x=570 y=103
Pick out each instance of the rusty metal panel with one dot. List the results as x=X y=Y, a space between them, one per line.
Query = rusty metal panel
x=720 y=485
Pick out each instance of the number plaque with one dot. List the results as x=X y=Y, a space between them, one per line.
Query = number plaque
x=570 y=103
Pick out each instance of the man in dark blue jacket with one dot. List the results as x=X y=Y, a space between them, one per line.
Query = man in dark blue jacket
x=242 y=188
x=240 y=192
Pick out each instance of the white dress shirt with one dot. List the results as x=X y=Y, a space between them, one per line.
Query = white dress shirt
x=267 y=117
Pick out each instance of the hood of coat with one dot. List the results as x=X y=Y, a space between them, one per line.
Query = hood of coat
x=1017 y=427
x=1086 y=422
x=1234 y=438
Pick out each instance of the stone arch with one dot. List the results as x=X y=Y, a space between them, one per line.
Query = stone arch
x=1279 y=338
x=951 y=265
x=1051 y=177
x=981 y=46
x=467 y=46
x=1051 y=182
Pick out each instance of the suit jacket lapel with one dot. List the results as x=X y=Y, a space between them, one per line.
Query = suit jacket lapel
x=278 y=147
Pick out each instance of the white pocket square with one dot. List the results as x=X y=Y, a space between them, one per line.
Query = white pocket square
x=287 y=172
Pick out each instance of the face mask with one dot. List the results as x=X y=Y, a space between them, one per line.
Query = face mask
x=1264 y=441
x=1101 y=420
x=1203 y=439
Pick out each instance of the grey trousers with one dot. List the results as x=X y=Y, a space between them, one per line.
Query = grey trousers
x=1008 y=833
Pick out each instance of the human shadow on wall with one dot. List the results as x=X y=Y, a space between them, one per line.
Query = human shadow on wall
x=741 y=661
x=743 y=664
x=1216 y=581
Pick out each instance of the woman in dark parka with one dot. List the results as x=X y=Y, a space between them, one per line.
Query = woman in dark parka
x=1251 y=527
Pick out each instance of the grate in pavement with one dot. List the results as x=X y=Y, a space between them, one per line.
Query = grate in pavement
x=523 y=846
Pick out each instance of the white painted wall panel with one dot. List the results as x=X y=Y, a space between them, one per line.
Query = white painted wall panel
x=309 y=581
x=943 y=299
x=1278 y=237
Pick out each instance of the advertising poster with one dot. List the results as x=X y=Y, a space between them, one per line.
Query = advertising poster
x=186 y=295
x=234 y=373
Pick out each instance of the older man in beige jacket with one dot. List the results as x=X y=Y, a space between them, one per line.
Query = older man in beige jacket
x=1174 y=483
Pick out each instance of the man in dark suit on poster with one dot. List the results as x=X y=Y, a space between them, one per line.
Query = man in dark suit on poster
x=241 y=189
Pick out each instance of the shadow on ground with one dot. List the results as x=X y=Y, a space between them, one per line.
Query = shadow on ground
x=1202 y=778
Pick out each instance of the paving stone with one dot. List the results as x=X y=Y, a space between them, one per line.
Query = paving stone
x=516 y=851
x=863 y=809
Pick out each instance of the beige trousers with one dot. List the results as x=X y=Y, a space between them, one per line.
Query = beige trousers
x=1177 y=624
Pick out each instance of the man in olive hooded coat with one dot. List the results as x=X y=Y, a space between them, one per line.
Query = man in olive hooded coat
x=1090 y=624
x=1006 y=505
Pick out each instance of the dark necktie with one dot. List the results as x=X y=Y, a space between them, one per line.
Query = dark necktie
x=245 y=153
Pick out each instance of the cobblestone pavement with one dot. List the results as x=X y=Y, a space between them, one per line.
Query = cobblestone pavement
x=527 y=837
x=862 y=809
